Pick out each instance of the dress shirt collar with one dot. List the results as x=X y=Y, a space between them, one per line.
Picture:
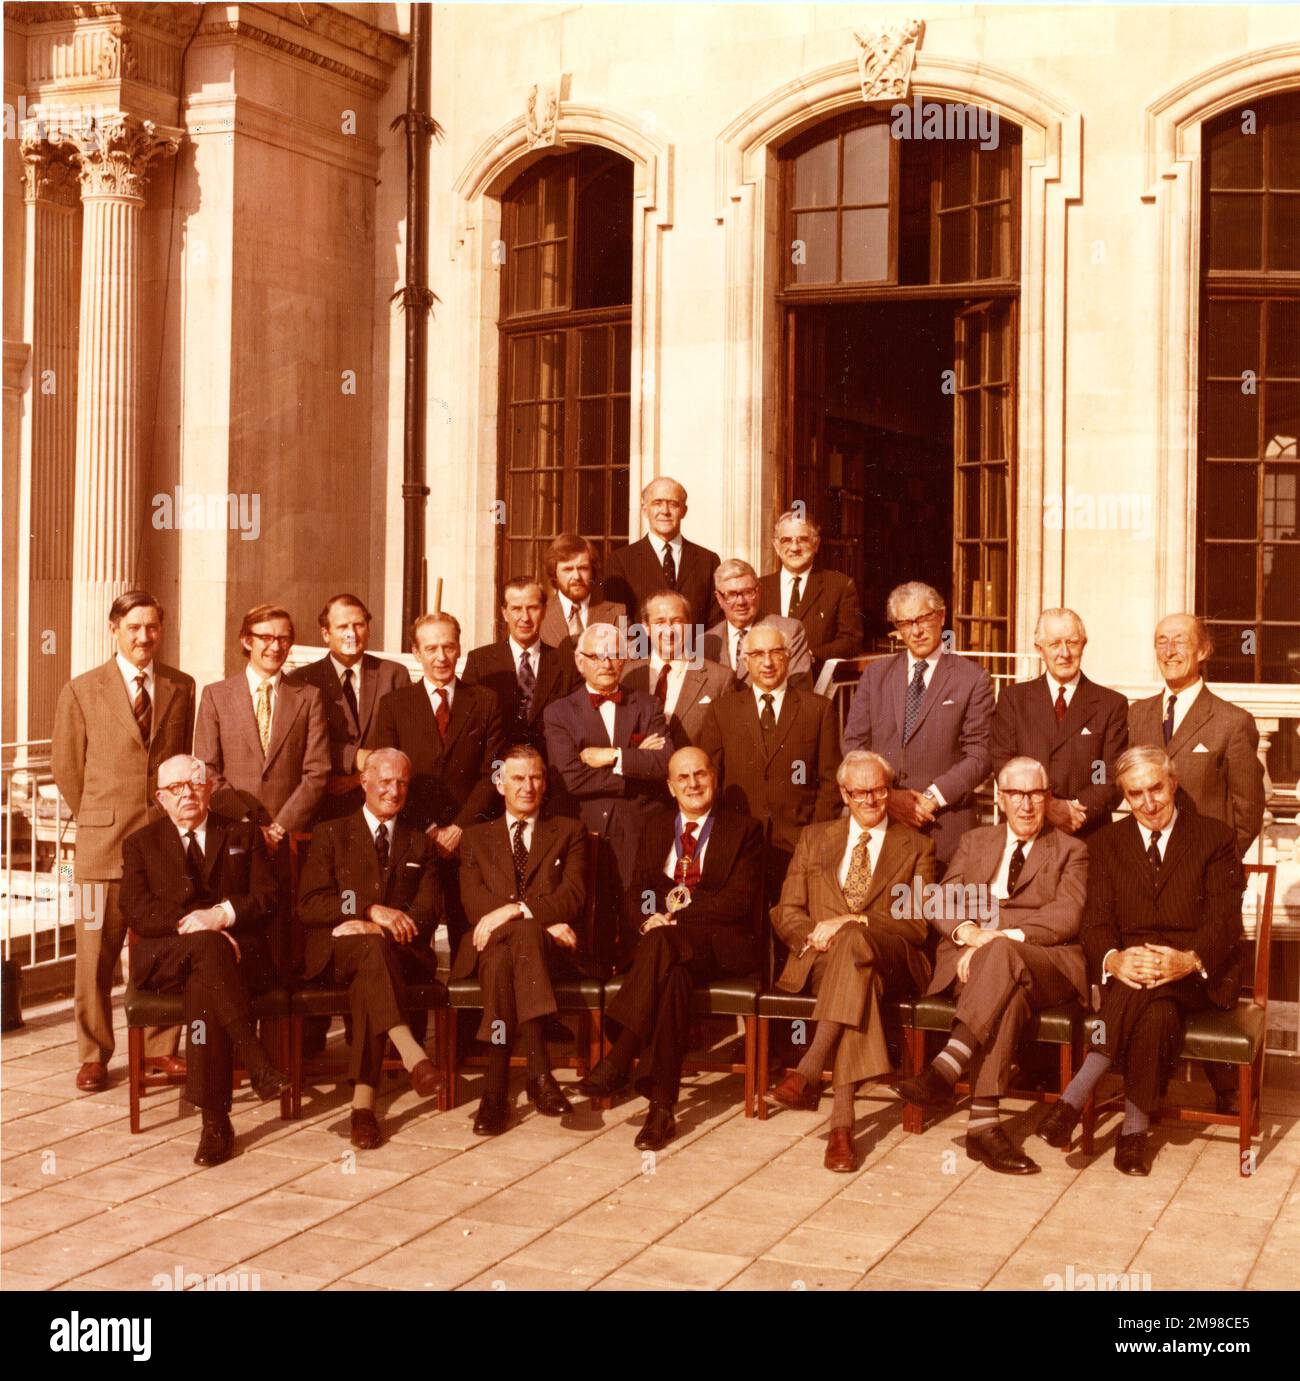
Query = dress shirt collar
x=200 y=831
x=517 y=651
x=1186 y=698
x=373 y=822
x=431 y=689
x=567 y=606
x=1013 y=839
x=130 y=671
x=931 y=662
x=1054 y=686
x=529 y=821
x=699 y=820
x=255 y=681
x=1164 y=834
x=340 y=669
x=876 y=832
x=778 y=696
x=658 y=544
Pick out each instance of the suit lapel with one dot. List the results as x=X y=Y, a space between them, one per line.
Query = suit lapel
x=749 y=713
x=896 y=683
x=890 y=853
x=1077 y=712
x=936 y=690
x=426 y=726
x=692 y=688
x=163 y=690
x=461 y=714
x=245 y=716
x=288 y=706
x=1132 y=841
x=548 y=673
x=361 y=847
x=813 y=588
x=833 y=845
x=786 y=720
x=214 y=845
x=1035 y=859
x=1179 y=842
x=1187 y=731
x=119 y=698
x=367 y=699
x=624 y=718
x=543 y=834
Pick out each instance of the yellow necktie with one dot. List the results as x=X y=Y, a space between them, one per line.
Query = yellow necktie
x=264 y=714
x=858 y=882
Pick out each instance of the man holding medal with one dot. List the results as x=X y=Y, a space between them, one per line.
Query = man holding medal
x=697 y=884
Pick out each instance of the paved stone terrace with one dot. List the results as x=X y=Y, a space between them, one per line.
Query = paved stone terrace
x=731 y=1204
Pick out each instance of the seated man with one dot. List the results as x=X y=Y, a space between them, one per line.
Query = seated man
x=522 y=879
x=702 y=865
x=199 y=893
x=1160 y=931
x=836 y=916
x=1024 y=883
x=369 y=900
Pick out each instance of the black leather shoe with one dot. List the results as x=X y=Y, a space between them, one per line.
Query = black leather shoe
x=216 y=1141
x=604 y=1081
x=929 y=1089
x=269 y=1083
x=659 y=1129
x=493 y=1115
x=993 y=1146
x=1057 y=1127
x=1131 y=1154
x=1227 y=1103
x=548 y=1097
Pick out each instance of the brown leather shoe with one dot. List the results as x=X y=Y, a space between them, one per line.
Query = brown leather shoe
x=173 y=1065
x=366 y=1135
x=839 y=1151
x=427 y=1079
x=92 y=1076
x=798 y=1093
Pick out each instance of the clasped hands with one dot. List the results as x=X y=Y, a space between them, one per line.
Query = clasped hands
x=821 y=935
x=607 y=757
x=381 y=920
x=911 y=807
x=273 y=836
x=1068 y=816
x=974 y=937
x=446 y=839
x=208 y=918
x=1150 y=966
x=510 y=911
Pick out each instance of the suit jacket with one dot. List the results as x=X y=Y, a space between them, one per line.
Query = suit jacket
x=633 y=573
x=1094 y=730
x=104 y=771
x=701 y=687
x=611 y=805
x=722 y=914
x=1047 y=902
x=949 y=746
x=1215 y=751
x=341 y=879
x=555 y=632
x=812 y=893
x=717 y=648
x=157 y=892
x=494 y=666
x=768 y=788
x=451 y=783
x=828 y=612
x=347 y=734
x=1196 y=904
x=286 y=784
x=555 y=878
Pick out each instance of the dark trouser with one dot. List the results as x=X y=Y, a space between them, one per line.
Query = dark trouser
x=374 y=969
x=514 y=971
x=453 y=909
x=219 y=1023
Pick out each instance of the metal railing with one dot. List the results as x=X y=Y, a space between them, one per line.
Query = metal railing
x=37 y=896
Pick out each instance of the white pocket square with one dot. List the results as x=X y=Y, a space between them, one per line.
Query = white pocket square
x=413 y=865
x=946 y=702
x=233 y=852
x=1085 y=730
x=1200 y=748
x=704 y=700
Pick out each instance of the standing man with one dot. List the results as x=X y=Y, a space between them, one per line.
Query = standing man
x=571 y=568
x=451 y=732
x=824 y=602
x=663 y=559
x=1074 y=727
x=112 y=728
x=1013 y=903
x=683 y=682
x=352 y=683
x=523 y=882
x=737 y=591
x=522 y=672
x=837 y=918
x=929 y=712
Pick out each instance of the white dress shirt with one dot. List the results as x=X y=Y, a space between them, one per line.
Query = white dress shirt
x=875 y=842
x=255 y=684
x=431 y=691
x=670 y=863
x=1053 y=686
x=931 y=662
x=200 y=832
x=529 y=821
x=1184 y=700
x=130 y=672
x=787 y=585
x=373 y=822
x=658 y=544
x=567 y=606
x=533 y=654
x=676 y=680
x=607 y=712
x=778 y=698
x=340 y=671
x=998 y=888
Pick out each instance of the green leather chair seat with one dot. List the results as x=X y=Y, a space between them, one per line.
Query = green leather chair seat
x=571 y=994
x=145 y=1008
x=790 y=1006
x=1054 y=1025
x=332 y=1000
x=1232 y=1037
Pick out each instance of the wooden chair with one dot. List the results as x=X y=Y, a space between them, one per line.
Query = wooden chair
x=1235 y=1037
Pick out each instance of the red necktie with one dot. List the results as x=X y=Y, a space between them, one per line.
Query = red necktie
x=1060 y=704
x=442 y=714
x=661 y=685
x=687 y=867
x=615 y=698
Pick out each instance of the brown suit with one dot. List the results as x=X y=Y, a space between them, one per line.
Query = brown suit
x=701 y=687
x=863 y=964
x=556 y=634
x=108 y=776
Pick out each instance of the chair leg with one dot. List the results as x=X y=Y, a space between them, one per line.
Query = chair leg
x=453 y=1059
x=1257 y=1089
x=914 y=1045
x=286 y=1063
x=295 y=1066
x=1066 y=1066
x=760 y=1067
x=751 y=1064
x=1248 y=1114
x=134 y=1071
x=1089 y=1122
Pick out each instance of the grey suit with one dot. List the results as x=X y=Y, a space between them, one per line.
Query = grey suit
x=718 y=640
x=701 y=687
x=554 y=632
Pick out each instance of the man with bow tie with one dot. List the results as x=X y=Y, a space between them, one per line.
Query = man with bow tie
x=1013 y=903
x=698 y=882
x=369 y=902
x=197 y=893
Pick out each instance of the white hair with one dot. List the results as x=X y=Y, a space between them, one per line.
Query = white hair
x=863 y=757
x=909 y=590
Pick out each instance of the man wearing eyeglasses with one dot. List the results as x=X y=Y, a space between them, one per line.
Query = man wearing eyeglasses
x=736 y=586
x=928 y=712
x=825 y=603
x=1013 y=903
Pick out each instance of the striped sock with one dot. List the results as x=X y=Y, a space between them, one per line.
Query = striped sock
x=983 y=1114
x=954 y=1059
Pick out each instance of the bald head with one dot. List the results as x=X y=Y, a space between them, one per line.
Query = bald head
x=692 y=782
x=1183 y=646
x=599 y=657
x=386 y=779
x=663 y=504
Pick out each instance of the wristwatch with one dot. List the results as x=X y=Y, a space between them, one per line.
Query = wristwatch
x=930 y=796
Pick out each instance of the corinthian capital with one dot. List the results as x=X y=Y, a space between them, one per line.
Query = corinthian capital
x=115 y=151
x=48 y=172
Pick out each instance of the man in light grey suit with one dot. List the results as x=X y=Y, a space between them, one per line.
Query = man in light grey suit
x=683 y=681
x=113 y=728
x=571 y=568
x=736 y=587
x=929 y=712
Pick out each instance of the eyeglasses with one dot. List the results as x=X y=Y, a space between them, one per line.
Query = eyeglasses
x=606 y=657
x=272 y=638
x=768 y=652
x=878 y=793
x=730 y=596
x=1014 y=798
x=178 y=789
x=794 y=543
x=905 y=626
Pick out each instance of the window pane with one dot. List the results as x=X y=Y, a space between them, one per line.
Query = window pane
x=866 y=165
x=993 y=170
x=1284 y=230
x=999 y=333
x=1231 y=337
x=622 y=428
x=814 y=175
x=1281 y=418
x=997 y=583
x=603 y=241
x=523 y=447
x=550 y=433
x=1230 y=500
x=526 y=214
x=1280 y=647
x=555 y=216
x=1284 y=340
x=954 y=247
x=593 y=361
x=622 y=358
x=550 y=371
x=1231 y=423
x=592 y=417
x=591 y=502
x=816 y=230
x=1236 y=159
x=552 y=287
x=1235 y=221
x=1230 y=581
x=968 y=502
x=1280 y=517
x=524 y=367
x=866 y=246
x=954 y=175
x=993 y=241
x=996 y=487
x=995 y=422
x=526 y=288
x=1229 y=662
x=618 y=497
x=1284 y=152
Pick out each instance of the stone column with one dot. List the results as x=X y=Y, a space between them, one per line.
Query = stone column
x=114 y=155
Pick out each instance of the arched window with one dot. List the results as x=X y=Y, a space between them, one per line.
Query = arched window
x=566 y=355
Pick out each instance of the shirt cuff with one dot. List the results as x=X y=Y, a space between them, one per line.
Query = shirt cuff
x=1016 y=934
x=1105 y=975
x=230 y=913
x=937 y=794
x=956 y=928
x=524 y=911
x=618 y=762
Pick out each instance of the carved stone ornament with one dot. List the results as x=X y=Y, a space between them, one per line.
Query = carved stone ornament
x=49 y=174
x=115 y=152
x=116 y=55
x=542 y=116
x=885 y=58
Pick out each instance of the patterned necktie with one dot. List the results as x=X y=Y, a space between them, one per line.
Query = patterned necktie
x=915 y=694
x=738 y=663
x=441 y=713
x=767 y=722
x=1153 y=856
x=194 y=860
x=527 y=684
x=1168 y=725
x=575 y=621
x=1017 y=864
x=1060 y=704
x=670 y=568
x=142 y=709
x=381 y=846
x=858 y=882
x=688 y=871
x=520 y=853
x=661 y=685
x=350 y=695
x=264 y=715
x=795 y=597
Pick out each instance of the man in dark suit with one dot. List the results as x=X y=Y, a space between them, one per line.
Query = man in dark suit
x=775 y=750
x=663 y=559
x=369 y=902
x=522 y=672
x=452 y=734
x=928 y=712
x=824 y=602
x=737 y=589
x=851 y=941
x=352 y=683
x=1074 y=727
x=698 y=884
x=523 y=882
x=608 y=750
x=676 y=674
x=1160 y=932
x=1008 y=925
x=113 y=727
x=573 y=570
x=197 y=892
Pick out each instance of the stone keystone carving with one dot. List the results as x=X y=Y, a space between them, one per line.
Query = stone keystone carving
x=542 y=115
x=885 y=58
x=115 y=152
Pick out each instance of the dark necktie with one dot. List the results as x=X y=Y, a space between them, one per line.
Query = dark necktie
x=441 y=713
x=381 y=846
x=1060 y=704
x=795 y=597
x=1153 y=856
x=194 y=860
x=767 y=722
x=527 y=684
x=520 y=853
x=1168 y=725
x=661 y=685
x=350 y=695
x=688 y=871
x=142 y=709
x=915 y=694
x=670 y=568
x=1016 y=865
